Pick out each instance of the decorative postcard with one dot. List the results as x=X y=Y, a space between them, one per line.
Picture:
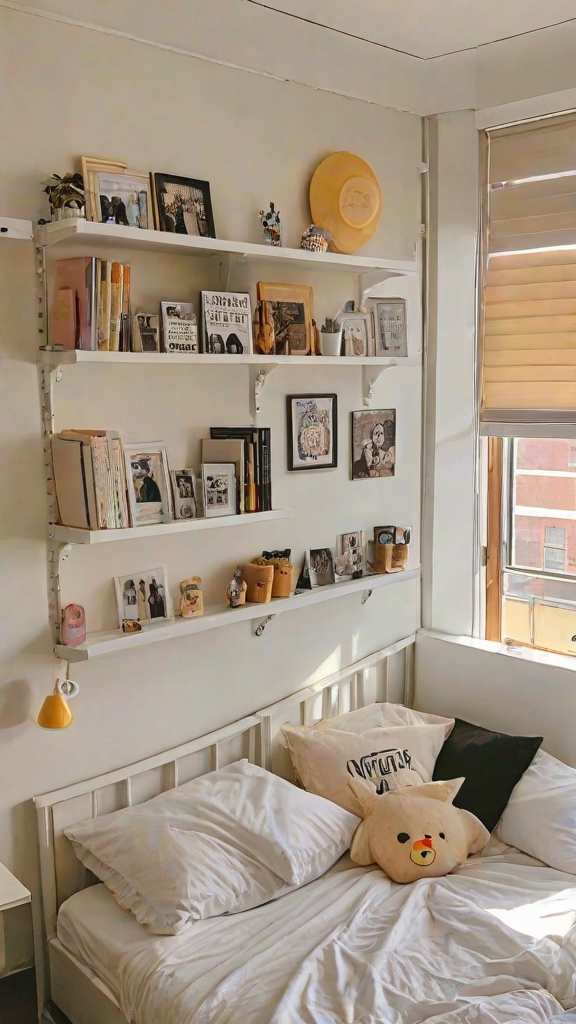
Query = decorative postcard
x=183 y=205
x=292 y=313
x=356 y=334
x=312 y=431
x=389 y=317
x=219 y=485
x=184 y=492
x=373 y=438
x=148 y=483
x=143 y=596
x=146 y=333
x=349 y=563
x=320 y=567
x=226 y=323
x=179 y=327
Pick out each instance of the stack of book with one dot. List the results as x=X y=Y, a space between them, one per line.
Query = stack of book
x=249 y=448
x=90 y=479
x=91 y=305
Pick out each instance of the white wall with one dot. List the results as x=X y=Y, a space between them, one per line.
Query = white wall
x=499 y=689
x=449 y=423
x=77 y=91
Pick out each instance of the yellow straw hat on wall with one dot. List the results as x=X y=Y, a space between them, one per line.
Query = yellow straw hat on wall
x=345 y=199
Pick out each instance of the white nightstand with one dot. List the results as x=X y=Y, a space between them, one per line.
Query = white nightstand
x=15 y=925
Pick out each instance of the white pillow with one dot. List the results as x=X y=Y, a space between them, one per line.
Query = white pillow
x=384 y=715
x=540 y=817
x=324 y=759
x=223 y=843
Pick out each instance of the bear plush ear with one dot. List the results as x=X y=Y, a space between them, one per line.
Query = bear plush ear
x=360 y=851
x=476 y=834
x=365 y=794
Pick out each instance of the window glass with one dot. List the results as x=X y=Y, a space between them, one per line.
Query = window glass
x=543 y=505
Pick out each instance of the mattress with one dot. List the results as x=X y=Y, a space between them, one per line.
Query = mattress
x=494 y=942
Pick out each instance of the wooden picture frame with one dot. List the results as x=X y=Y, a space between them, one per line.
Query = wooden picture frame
x=117 y=195
x=292 y=310
x=183 y=206
x=312 y=432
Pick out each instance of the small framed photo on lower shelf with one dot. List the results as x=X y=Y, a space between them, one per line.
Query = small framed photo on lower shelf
x=219 y=489
x=148 y=483
x=143 y=595
x=320 y=567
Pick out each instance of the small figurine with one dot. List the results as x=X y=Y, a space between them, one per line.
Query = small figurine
x=315 y=239
x=191 y=602
x=73 y=625
x=131 y=626
x=236 y=590
x=271 y=224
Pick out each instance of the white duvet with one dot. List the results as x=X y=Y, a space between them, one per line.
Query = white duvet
x=494 y=943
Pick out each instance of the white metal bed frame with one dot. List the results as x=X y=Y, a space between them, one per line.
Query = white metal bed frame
x=73 y=987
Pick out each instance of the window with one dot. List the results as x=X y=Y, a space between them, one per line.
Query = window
x=531 y=568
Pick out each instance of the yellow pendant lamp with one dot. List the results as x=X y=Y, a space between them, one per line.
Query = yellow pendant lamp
x=55 y=713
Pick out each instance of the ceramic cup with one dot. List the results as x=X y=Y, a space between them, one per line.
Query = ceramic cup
x=331 y=344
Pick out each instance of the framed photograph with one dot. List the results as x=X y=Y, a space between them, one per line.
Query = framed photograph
x=373 y=437
x=320 y=567
x=116 y=195
x=183 y=205
x=350 y=559
x=90 y=166
x=389 y=322
x=219 y=488
x=292 y=312
x=146 y=332
x=312 y=431
x=144 y=596
x=356 y=334
x=184 y=493
x=179 y=327
x=148 y=483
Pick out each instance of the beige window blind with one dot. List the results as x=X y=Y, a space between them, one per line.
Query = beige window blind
x=529 y=345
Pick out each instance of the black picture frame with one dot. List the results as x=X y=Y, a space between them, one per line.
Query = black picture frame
x=296 y=459
x=178 y=221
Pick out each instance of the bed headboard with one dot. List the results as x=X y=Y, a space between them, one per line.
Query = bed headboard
x=256 y=737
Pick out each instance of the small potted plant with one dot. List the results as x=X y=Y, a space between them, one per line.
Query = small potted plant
x=330 y=338
x=66 y=196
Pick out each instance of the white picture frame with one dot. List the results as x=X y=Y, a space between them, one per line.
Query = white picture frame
x=144 y=596
x=219 y=489
x=389 y=326
x=148 y=483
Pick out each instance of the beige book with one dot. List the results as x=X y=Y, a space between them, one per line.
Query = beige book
x=74 y=482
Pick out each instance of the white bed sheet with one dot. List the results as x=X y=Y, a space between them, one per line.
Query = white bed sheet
x=494 y=943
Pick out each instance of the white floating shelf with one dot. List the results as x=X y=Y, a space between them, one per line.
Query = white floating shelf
x=75 y=535
x=100 y=644
x=80 y=233
x=77 y=356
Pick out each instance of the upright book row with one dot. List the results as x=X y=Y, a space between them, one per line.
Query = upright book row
x=91 y=305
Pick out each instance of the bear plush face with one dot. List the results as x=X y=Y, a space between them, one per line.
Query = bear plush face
x=415 y=832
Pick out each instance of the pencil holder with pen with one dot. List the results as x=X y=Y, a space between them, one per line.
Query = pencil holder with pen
x=388 y=552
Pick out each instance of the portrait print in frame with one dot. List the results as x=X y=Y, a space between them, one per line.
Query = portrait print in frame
x=312 y=431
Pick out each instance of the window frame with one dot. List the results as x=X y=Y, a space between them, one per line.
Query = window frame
x=500 y=540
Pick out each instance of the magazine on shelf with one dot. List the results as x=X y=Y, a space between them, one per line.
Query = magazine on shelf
x=179 y=327
x=226 y=323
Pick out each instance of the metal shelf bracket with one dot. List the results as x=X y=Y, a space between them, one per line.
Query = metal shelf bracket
x=262 y=625
x=258 y=380
x=366 y=595
x=370 y=377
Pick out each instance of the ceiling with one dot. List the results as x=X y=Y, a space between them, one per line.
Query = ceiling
x=429 y=28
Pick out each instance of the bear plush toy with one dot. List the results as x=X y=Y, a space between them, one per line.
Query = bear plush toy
x=415 y=832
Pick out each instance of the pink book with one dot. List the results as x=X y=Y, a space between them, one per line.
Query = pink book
x=73 y=317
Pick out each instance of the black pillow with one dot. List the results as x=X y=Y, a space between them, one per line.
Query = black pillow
x=491 y=763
